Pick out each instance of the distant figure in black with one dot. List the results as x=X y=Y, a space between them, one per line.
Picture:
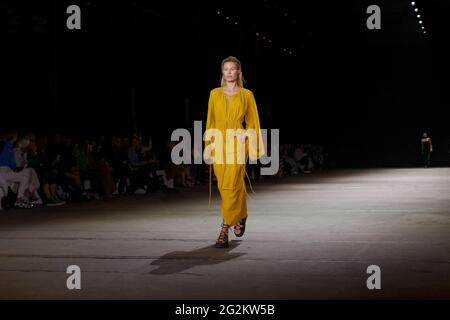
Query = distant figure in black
x=427 y=149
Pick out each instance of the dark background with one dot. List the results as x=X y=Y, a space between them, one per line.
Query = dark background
x=323 y=78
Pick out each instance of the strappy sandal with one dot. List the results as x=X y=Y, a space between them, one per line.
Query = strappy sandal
x=239 y=229
x=222 y=241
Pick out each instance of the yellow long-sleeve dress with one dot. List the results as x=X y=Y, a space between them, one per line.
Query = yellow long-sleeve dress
x=229 y=113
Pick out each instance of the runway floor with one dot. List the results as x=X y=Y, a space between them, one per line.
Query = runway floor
x=308 y=237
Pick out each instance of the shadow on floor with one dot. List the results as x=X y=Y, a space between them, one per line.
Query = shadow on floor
x=178 y=261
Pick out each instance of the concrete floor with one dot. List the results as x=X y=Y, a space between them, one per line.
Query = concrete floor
x=308 y=237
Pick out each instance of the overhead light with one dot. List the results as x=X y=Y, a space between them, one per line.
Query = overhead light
x=420 y=21
x=413 y=3
x=416 y=9
x=424 y=31
x=423 y=27
x=418 y=16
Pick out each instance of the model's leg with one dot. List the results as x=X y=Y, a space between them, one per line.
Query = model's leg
x=233 y=193
x=239 y=229
x=425 y=159
x=222 y=240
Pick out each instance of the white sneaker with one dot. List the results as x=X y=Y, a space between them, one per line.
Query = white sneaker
x=37 y=202
x=22 y=203
x=140 y=191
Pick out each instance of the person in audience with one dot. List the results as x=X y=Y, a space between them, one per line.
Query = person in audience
x=85 y=165
x=137 y=166
x=46 y=170
x=13 y=177
x=302 y=159
x=427 y=149
x=26 y=145
x=61 y=156
x=104 y=168
x=119 y=167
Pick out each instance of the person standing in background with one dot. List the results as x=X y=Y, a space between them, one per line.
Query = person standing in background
x=427 y=149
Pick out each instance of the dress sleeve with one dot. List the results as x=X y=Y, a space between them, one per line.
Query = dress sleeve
x=255 y=143
x=210 y=120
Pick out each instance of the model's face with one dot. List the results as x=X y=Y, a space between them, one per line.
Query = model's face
x=230 y=71
x=424 y=135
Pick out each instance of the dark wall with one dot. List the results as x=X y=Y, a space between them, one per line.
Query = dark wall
x=365 y=95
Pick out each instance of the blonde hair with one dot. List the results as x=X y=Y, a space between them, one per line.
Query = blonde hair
x=240 y=79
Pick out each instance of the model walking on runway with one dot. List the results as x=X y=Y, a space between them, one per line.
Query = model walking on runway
x=228 y=107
